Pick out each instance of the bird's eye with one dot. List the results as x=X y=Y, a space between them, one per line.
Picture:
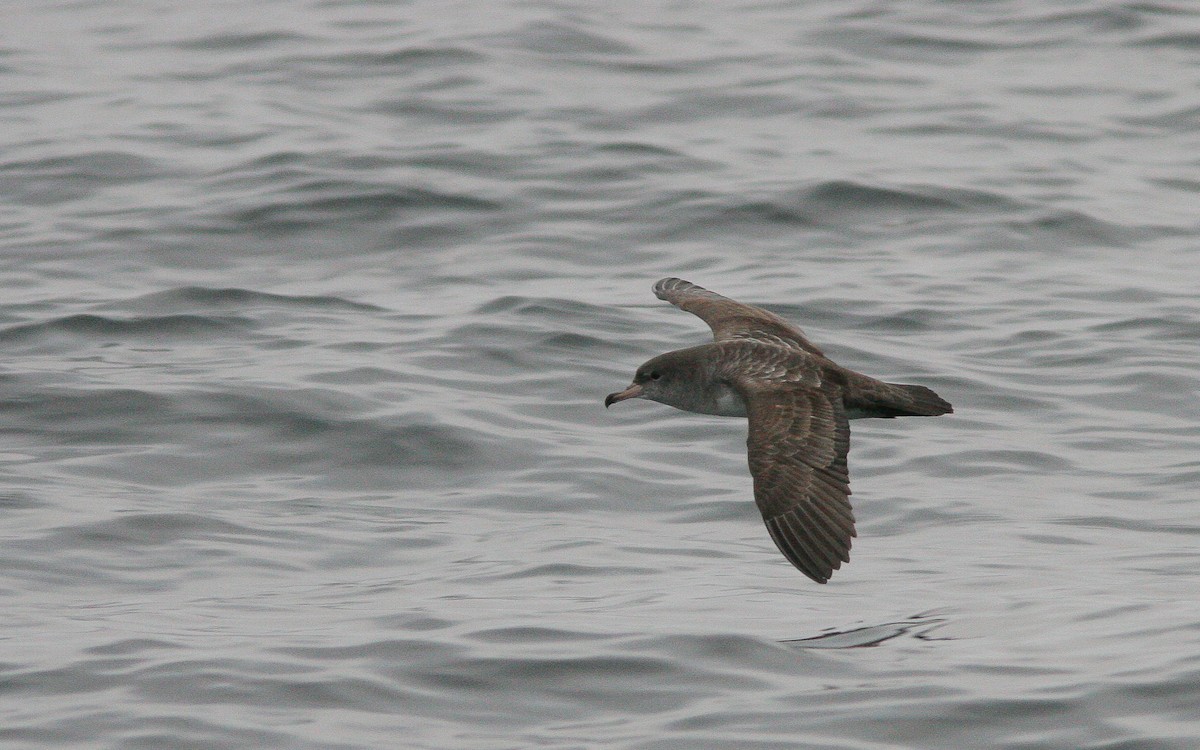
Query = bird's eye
x=655 y=375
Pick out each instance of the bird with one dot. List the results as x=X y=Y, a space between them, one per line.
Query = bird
x=798 y=403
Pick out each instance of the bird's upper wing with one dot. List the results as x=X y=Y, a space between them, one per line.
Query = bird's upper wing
x=797 y=448
x=729 y=319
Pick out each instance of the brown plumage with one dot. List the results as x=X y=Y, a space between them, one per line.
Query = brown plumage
x=798 y=402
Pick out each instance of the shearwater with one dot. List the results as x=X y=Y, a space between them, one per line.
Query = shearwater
x=798 y=402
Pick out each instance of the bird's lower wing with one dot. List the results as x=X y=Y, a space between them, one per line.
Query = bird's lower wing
x=797 y=447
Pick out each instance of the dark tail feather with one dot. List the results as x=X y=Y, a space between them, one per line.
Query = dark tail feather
x=916 y=401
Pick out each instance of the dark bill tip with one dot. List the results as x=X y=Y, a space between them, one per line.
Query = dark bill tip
x=632 y=391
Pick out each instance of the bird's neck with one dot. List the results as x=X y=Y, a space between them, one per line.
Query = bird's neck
x=708 y=394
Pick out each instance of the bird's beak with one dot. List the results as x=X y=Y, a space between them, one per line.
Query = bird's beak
x=632 y=391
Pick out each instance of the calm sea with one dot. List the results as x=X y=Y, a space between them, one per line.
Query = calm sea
x=309 y=308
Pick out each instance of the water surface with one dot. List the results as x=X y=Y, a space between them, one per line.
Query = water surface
x=310 y=309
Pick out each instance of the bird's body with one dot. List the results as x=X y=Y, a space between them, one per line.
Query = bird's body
x=798 y=402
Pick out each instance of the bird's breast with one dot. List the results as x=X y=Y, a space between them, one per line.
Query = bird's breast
x=728 y=402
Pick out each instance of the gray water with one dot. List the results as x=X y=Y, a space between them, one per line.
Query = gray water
x=309 y=309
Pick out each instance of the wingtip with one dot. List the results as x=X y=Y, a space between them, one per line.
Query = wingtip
x=797 y=553
x=662 y=286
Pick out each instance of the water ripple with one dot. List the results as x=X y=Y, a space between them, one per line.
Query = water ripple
x=310 y=311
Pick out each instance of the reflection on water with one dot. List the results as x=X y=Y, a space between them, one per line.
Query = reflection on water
x=920 y=627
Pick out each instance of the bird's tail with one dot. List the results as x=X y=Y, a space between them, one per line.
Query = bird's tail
x=915 y=401
x=874 y=398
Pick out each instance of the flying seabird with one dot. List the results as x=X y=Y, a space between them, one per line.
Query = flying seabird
x=798 y=402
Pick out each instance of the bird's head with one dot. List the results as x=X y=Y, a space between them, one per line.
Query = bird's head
x=673 y=378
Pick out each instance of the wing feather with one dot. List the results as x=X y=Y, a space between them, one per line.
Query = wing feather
x=797 y=447
x=730 y=319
